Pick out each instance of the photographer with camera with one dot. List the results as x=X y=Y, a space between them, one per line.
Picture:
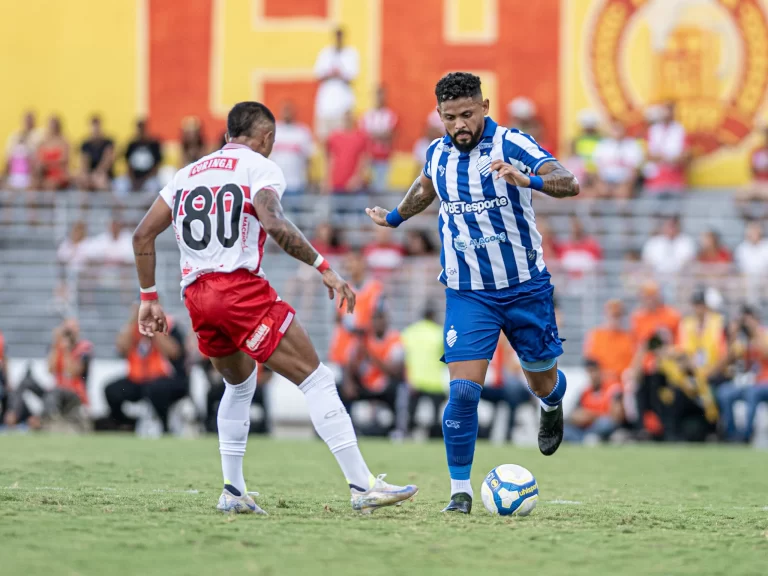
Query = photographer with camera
x=748 y=354
x=68 y=361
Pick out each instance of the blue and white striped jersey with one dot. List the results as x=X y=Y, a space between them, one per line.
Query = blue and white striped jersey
x=487 y=227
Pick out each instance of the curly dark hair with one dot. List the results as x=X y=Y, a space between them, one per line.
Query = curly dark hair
x=457 y=85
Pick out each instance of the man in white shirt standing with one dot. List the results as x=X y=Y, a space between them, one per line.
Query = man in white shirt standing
x=670 y=251
x=618 y=159
x=751 y=255
x=335 y=68
x=293 y=150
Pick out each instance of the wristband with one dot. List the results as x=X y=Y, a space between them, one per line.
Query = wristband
x=148 y=294
x=394 y=219
x=537 y=183
x=321 y=264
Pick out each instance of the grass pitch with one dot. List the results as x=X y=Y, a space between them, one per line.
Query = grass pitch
x=123 y=506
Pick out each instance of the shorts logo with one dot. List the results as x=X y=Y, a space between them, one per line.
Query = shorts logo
x=451 y=337
x=257 y=337
x=453 y=424
x=478 y=207
x=484 y=165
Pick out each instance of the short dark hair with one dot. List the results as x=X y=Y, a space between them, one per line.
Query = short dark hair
x=244 y=115
x=457 y=85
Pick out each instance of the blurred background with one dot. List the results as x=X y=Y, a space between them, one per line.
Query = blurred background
x=660 y=265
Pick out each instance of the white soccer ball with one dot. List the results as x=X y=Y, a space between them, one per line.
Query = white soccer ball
x=510 y=490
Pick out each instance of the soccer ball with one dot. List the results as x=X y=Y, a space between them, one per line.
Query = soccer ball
x=510 y=490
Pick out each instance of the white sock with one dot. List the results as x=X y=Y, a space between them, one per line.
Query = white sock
x=461 y=486
x=234 y=423
x=333 y=424
x=547 y=407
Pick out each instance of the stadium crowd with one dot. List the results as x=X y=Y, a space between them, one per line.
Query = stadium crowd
x=658 y=373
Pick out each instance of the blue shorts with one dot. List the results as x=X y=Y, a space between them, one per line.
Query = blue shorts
x=525 y=313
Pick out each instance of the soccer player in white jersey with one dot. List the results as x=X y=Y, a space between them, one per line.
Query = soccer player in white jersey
x=493 y=264
x=222 y=208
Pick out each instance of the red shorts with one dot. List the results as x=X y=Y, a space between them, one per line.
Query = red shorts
x=237 y=311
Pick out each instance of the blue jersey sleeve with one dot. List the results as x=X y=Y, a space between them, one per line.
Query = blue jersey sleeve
x=523 y=148
x=430 y=153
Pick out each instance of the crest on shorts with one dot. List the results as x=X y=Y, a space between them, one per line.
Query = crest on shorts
x=451 y=337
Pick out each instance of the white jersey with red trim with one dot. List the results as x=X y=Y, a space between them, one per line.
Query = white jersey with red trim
x=213 y=214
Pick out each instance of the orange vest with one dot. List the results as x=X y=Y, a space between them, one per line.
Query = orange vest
x=612 y=349
x=599 y=401
x=145 y=363
x=76 y=385
x=343 y=340
x=371 y=376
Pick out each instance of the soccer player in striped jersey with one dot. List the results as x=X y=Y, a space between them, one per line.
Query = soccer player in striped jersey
x=493 y=264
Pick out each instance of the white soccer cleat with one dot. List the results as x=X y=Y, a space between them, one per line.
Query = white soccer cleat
x=381 y=494
x=245 y=504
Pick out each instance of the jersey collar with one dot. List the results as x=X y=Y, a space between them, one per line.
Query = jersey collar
x=234 y=146
x=489 y=130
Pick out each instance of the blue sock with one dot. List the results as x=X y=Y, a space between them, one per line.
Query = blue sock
x=460 y=427
x=554 y=398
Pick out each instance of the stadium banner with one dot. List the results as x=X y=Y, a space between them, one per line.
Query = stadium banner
x=710 y=57
x=166 y=59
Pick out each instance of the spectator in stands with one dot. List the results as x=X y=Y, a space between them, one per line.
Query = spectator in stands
x=611 y=345
x=418 y=243
x=711 y=249
x=581 y=253
x=69 y=360
x=670 y=251
x=433 y=129
x=599 y=412
x=192 y=141
x=380 y=124
x=329 y=241
x=653 y=317
x=347 y=158
x=504 y=384
x=549 y=242
x=751 y=254
x=143 y=158
x=522 y=115
x=369 y=292
x=748 y=350
x=581 y=161
x=216 y=390
x=71 y=253
x=113 y=247
x=156 y=371
x=633 y=272
x=376 y=364
x=52 y=161
x=97 y=157
x=423 y=347
x=293 y=150
x=752 y=198
x=336 y=68
x=20 y=154
x=668 y=155
x=618 y=159
x=383 y=255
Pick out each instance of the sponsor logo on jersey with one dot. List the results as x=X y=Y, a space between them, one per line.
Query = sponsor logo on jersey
x=478 y=207
x=453 y=424
x=257 y=337
x=484 y=165
x=221 y=163
x=462 y=245
x=485 y=146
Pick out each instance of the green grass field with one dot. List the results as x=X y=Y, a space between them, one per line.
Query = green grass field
x=124 y=506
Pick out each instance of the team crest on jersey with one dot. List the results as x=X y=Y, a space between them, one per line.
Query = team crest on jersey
x=460 y=245
x=441 y=169
x=532 y=255
x=484 y=165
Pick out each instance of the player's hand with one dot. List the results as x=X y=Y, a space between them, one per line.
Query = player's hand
x=336 y=284
x=152 y=319
x=510 y=174
x=379 y=216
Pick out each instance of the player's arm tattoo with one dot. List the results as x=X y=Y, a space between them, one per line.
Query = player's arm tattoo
x=418 y=199
x=558 y=181
x=282 y=230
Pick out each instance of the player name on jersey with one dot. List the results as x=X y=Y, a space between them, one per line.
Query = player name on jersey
x=214 y=164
